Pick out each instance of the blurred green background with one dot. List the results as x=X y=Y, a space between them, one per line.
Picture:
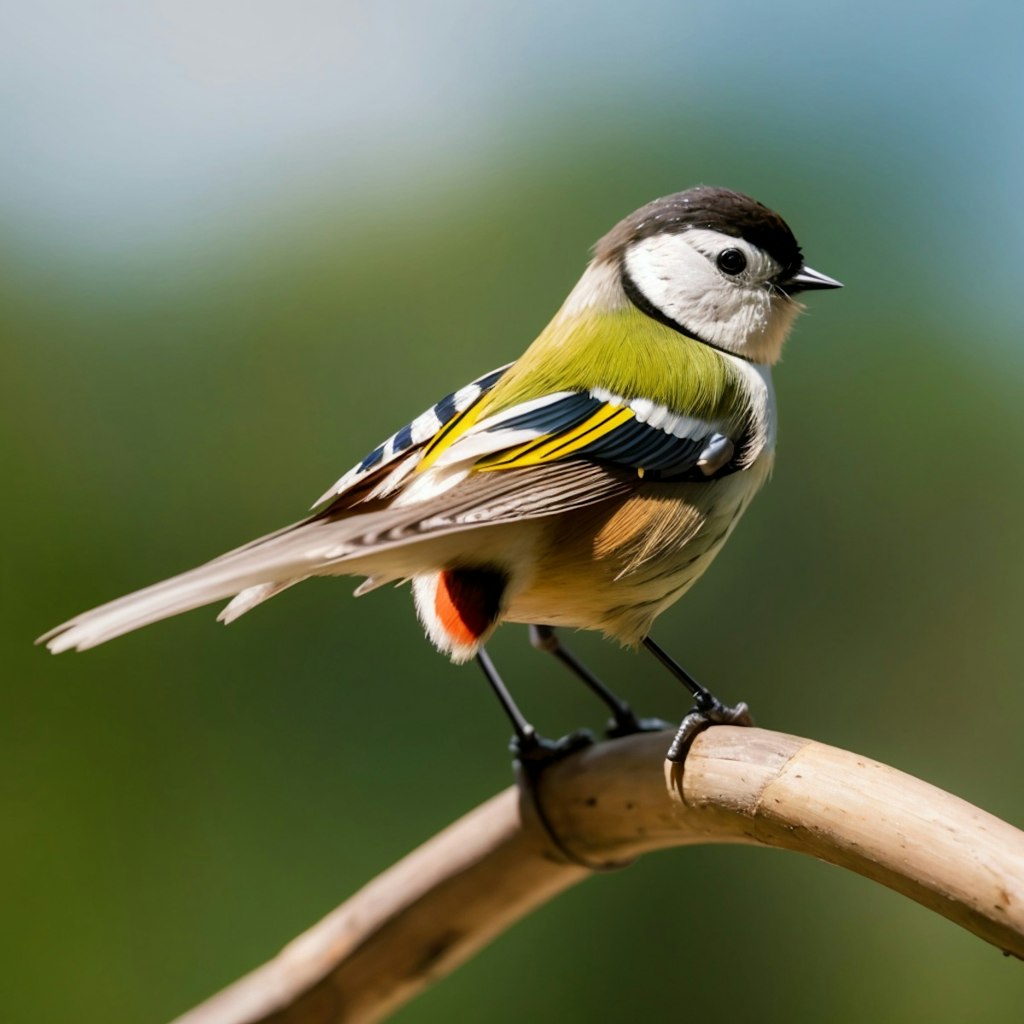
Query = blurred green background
x=241 y=243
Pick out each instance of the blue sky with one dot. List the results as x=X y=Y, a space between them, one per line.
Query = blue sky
x=123 y=121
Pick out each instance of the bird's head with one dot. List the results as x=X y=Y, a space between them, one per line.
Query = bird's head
x=713 y=264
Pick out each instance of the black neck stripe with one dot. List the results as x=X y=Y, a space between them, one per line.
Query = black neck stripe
x=637 y=297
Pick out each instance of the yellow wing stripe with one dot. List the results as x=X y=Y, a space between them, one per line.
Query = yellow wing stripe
x=453 y=429
x=559 y=446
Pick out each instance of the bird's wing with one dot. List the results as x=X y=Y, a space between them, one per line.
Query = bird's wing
x=415 y=434
x=530 y=460
x=634 y=434
x=385 y=540
x=480 y=500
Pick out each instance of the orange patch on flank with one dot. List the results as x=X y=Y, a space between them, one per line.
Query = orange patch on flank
x=458 y=605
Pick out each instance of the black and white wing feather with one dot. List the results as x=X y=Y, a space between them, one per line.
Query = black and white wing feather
x=534 y=459
x=639 y=435
x=414 y=434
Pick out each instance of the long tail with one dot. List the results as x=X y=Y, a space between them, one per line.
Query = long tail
x=254 y=572
x=397 y=542
x=387 y=545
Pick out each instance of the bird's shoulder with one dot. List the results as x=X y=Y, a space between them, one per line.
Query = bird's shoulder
x=494 y=424
x=415 y=434
x=617 y=389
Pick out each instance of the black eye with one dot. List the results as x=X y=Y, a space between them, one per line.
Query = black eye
x=731 y=261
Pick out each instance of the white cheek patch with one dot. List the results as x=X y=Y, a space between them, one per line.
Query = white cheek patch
x=671 y=274
x=677 y=275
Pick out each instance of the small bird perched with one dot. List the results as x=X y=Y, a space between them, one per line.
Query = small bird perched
x=588 y=484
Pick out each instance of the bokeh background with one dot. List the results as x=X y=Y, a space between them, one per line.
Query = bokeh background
x=242 y=242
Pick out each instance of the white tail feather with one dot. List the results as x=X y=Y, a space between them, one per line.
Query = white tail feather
x=397 y=543
x=252 y=596
x=371 y=583
x=180 y=594
x=282 y=558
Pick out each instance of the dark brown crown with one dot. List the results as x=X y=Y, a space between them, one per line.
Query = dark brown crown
x=718 y=209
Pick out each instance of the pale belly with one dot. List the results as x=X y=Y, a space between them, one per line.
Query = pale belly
x=617 y=571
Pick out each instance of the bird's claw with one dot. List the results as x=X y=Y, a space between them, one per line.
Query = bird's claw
x=624 y=726
x=533 y=753
x=699 y=719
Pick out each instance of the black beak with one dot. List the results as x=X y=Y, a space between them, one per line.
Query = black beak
x=806 y=280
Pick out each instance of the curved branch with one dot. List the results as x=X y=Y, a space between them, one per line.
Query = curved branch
x=607 y=805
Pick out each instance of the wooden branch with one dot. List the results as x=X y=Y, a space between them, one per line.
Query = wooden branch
x=605 y=806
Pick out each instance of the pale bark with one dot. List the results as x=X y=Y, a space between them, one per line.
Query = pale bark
x=600 y=809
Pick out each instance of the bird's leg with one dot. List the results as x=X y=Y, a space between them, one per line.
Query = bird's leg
x=531 y=750
x=707 y=710
x=623 y=721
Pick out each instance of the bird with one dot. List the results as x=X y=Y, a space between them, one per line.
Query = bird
x=586 y=485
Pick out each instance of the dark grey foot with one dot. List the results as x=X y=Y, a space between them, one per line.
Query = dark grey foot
x=697 y=720
x=708 y=709
x=614 y=728
x=534 y=753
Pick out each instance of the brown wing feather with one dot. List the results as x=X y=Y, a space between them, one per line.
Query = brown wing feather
x=325 y=543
